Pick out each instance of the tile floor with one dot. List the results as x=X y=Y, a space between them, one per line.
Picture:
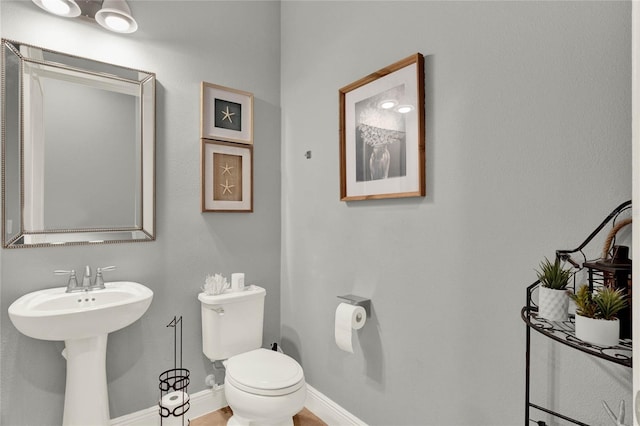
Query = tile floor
x=220 y=417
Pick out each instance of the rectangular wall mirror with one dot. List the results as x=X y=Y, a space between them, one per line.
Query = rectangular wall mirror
x=78 y=150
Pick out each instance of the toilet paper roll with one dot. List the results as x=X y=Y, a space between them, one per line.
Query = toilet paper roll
x=237 y=281
x=348 y=318
x=174 y=405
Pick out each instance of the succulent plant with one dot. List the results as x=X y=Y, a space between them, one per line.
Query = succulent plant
x=604 y=303
x=585 y=305
x=553 y=275
x=610 y=301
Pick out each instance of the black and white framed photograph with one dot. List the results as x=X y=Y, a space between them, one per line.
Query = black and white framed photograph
x=382 y=132
x=226 y=114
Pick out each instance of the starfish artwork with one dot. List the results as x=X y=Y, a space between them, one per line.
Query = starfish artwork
x=226 y=168
x=226 y=187
x=228 y=183
x=226 y=115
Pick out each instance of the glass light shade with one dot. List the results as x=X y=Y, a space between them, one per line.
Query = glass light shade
x=115 y=15
x=116 y=23
x=64 y=8
x=403 y=109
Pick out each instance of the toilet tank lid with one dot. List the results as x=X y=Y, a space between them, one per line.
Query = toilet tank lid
x=230 y=296
x=264 y=369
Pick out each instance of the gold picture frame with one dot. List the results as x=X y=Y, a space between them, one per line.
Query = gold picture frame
x=226 y=177
x=226 y=114
x=382 y=133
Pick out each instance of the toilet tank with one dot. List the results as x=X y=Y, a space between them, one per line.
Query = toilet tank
x=232 y=322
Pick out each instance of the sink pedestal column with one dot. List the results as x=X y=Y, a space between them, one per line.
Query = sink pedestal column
x=86 y=401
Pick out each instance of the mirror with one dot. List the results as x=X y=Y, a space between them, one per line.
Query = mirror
x=78 y=149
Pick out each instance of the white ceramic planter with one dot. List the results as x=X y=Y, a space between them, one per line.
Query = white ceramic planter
x=553 y=305
x=598 y=331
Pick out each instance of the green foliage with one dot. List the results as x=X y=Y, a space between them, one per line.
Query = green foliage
x=553 y=275
x=610 y=301
x=585 y=305
x=605 y=303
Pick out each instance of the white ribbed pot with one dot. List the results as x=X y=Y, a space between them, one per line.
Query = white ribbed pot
x=553 y=305
x=598 y=331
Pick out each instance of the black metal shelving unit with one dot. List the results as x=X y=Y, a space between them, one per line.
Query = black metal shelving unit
x=564 y=332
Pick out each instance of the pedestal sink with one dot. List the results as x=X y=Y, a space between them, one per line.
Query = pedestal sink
x=83 y=320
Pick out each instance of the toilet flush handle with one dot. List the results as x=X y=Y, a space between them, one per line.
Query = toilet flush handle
x=219 y=311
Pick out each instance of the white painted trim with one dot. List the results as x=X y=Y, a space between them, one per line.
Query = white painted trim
x=330 y=412
x=202 y=403
x=208 y=400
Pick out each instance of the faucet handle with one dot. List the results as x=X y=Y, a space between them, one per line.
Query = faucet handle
x=99 y=282
x=71 y=273
x=73 y=282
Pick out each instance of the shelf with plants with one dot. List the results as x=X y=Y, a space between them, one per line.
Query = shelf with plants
x=564 y=332
x=609 y=280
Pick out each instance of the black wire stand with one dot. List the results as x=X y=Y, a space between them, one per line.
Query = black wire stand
x=174 y=382
x=564 y=331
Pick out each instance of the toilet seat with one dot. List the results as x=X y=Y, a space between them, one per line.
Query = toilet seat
x=264 y=372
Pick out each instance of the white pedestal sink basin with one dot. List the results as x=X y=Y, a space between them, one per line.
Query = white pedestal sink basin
x=83 y=320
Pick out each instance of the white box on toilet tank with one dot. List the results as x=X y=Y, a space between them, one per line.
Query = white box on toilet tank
x=232 y=322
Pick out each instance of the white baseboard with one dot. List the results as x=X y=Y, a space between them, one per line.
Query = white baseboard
x=202 y=403
x=330 y=412
x=209 y=400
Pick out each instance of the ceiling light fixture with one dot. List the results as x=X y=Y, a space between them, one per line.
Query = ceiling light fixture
x=113 y=15
x=65 y=8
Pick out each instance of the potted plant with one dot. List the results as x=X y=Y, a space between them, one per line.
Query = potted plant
x=596 y=320
x=553 y=300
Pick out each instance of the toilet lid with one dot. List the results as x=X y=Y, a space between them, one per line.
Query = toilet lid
x=265 y=372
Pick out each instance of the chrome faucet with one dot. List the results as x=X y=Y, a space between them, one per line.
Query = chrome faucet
x=73 y=286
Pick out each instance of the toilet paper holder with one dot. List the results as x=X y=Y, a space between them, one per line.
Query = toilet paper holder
x=358 y=301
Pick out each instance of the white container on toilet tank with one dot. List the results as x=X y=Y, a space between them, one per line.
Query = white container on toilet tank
x=232 y=322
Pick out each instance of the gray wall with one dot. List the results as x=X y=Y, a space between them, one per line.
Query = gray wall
x=235 y=44
x=528 y=116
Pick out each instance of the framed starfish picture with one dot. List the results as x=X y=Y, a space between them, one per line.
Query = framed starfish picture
x=226 y=114
x=226 y=176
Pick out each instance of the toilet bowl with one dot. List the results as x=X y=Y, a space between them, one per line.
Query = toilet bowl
x=264 y=387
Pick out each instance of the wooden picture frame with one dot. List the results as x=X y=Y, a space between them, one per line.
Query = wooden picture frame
x=226 y=114
x=382 y=135
x=226 y=177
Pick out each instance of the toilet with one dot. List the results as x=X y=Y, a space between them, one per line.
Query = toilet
x=262 y=386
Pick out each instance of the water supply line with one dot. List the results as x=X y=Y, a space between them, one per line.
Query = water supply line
x=212 y=380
